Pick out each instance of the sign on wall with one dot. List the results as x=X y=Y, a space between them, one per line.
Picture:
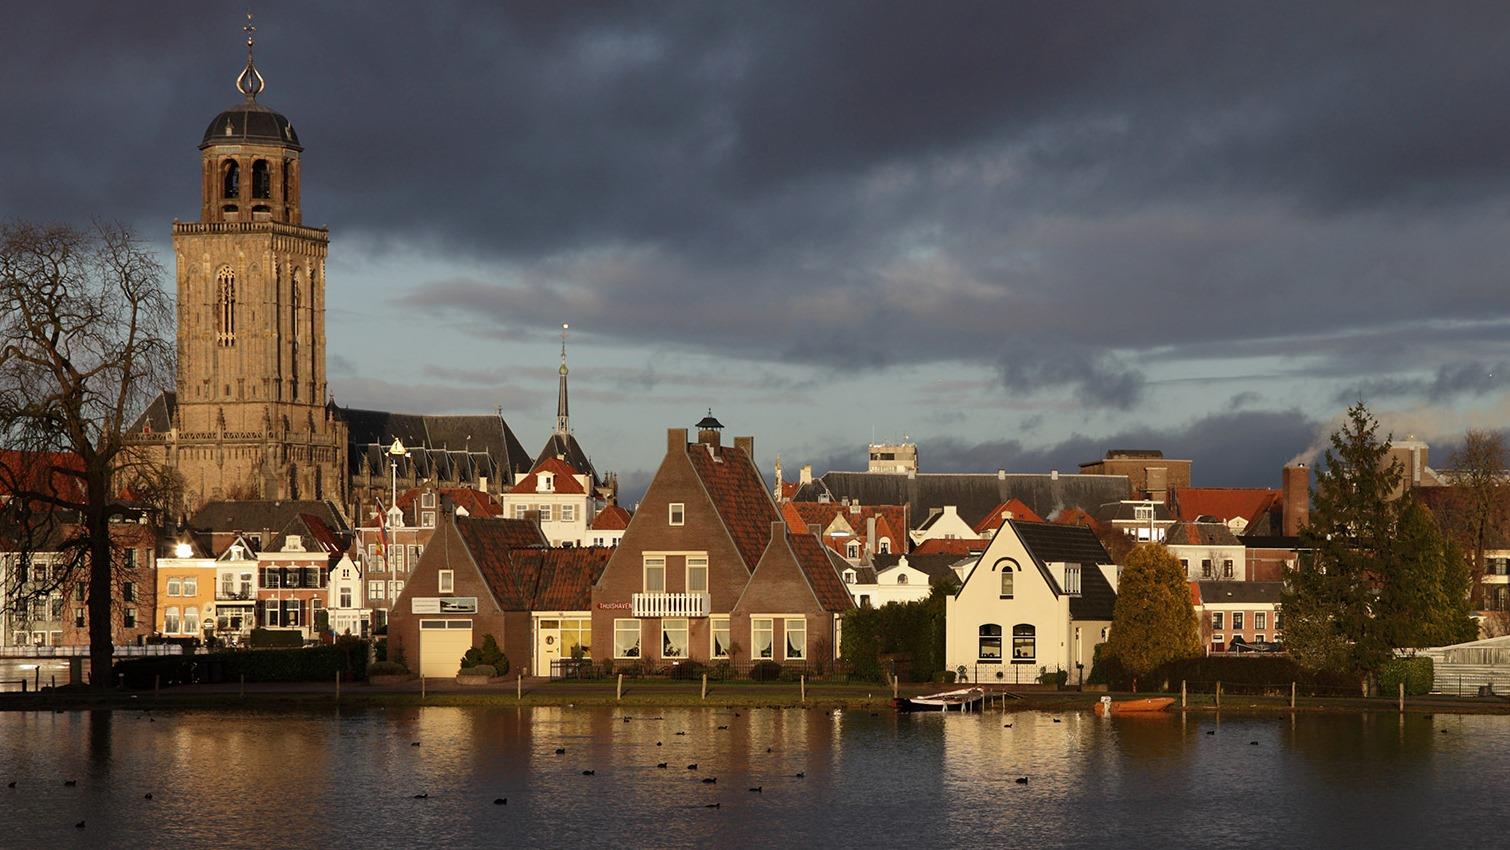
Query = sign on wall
x=445 y=605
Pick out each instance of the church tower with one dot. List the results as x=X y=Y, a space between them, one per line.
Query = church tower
x=252 y=419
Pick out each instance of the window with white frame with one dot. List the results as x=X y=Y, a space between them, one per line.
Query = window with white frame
x=1008 y=579
x=655 y=574
x=427 y=499
x=545 y=513
x=852 y=549
x=568 y=513
x=1227 y=569
x=674 y=638
x=171 y=620
x=376 y=590
x=762 y=640
x=345 y=597
x=1260 y=620
x=1072 y=579
x=885 y=546
x=1205 y=568
x=78 y=618
x=1237 y=621
x=446 y=582
x=626 y=638
x=1143 y=513
x=697 y=575
x=719 y=629
x=191 y=586
x=520 y=511
x=191 y=620
x=989 y=643
x=398 y=558
x=1216 y=621
x=175 y=587
x=427 y=519
x=398 y=587
x=128 y=618
x=794 y=629
x=677 y=513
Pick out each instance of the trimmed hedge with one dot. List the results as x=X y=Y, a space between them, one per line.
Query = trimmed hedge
x=483 y=670
x=346 y=656
x=276 y=639
x=1236 y=673
x=1417 y=673
x=386 y=668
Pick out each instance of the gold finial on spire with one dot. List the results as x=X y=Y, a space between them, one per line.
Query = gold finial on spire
x=249 y=82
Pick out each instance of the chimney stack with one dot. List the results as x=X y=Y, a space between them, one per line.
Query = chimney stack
x=805 y=475
x=746 y=445
x=1295 y=498
x=676 y=439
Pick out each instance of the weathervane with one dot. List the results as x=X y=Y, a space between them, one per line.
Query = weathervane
x=249 y=82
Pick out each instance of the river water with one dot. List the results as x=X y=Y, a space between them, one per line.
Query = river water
x=348 y=779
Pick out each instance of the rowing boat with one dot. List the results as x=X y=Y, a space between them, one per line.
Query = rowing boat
x=959 y=700
x=1133 y=706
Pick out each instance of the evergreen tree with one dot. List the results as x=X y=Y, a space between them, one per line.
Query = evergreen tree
x=1412 y=607
x=1153 y=622
x=1330 y=595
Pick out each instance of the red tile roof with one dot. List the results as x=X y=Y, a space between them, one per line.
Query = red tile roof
x=950 y=546
x=1010 y=509
x=491 y=541
x=611 y=518
x=558 y=579
x=1225 y=503
x=566 y=481
x=41 y=472
x=475 y=502
x=739 y=496
x=889 y=518
x=821 y=573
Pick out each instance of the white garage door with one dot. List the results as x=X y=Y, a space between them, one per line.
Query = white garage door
x=442 y=643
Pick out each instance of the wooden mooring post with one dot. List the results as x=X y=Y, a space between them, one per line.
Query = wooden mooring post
x=1219 y=695
x=1182 y=693
x=802 y=683
x=1292 y=696
x=705 y=687
x=1402 y=697
x=893 y=686
x=338 y=686
x=618 y=694
x=519 y=686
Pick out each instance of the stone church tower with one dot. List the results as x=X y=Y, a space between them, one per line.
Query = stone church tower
x=250 y=418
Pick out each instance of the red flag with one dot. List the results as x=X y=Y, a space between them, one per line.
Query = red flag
x=382 y=530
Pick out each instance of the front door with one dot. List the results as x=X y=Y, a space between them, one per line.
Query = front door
x=547 y=647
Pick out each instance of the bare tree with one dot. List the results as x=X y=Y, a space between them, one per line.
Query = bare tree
x=1479 y=472
x=86 y=340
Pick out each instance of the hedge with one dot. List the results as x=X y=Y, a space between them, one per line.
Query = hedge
x=911 y=629
x=1236 y=673
x=1418 y=674
x=347 y=656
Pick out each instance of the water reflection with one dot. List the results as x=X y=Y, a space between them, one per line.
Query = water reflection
x=346 y=778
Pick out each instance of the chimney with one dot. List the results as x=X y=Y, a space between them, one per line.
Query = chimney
x=1053 y=475
x=870 y=535
x=676 y=440
x=482 y=483
x=1001 y=475
x=1295 y=496
x=815 y=529
x=778 y=529
x=805 y=475
x=746 y=445
x=533 y=516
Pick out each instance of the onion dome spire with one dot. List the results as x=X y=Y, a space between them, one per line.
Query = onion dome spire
x=249 y=82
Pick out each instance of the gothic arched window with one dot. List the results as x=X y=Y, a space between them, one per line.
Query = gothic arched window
x=293 y=333
x=225 y=284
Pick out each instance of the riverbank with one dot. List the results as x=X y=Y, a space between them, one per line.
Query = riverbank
x=847 y=696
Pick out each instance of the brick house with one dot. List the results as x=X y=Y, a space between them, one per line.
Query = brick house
x=494 y=576
x=1247 y=611
x=792 y=607
x=294 y=574
x=687 y=555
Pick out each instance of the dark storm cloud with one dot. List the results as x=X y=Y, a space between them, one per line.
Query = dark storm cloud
x=1228 y=450
x=1055 y=192
x=1451 y=381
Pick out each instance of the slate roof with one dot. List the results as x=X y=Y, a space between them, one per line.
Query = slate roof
x=448 y=447
x=818 y=564
x=994 y=517
x=567 y=449
x=566 y=477
x=1241 y=592
x=611 y=518
x=1096 y=599
x=739 y=496
x=1068 y=544
x=250 y=123
x=159 y=415
x=972 y=493
x=253 y=515
x=1200 y=534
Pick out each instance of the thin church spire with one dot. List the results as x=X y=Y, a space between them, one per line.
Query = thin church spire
x=563 y=419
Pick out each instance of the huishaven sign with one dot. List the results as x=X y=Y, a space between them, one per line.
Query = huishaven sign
x=445 y=605
x=613 y=606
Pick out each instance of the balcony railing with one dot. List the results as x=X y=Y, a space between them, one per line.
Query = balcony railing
x=670 y=604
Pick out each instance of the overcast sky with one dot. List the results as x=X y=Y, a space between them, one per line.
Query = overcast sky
x=1019 y=233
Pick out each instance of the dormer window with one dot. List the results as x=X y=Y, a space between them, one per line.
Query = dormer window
x=547 y=483
x=1072 y=579
x=1143 y=513
x=849 y=576
x=852 y=549
x=427 y=499
x=293 y=543
x=885 y=546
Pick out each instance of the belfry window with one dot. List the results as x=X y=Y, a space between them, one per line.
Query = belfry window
x=293 y=332
x=262 y=180
x=230 y=180
x=226 y=315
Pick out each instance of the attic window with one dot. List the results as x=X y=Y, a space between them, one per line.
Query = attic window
x=885 y=546
x=427 y=499
x=852 y=549
x=677 y=513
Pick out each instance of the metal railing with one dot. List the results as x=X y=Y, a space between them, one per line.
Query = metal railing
x=670 y=604
x=717 y=671
x=1010 y=674
x=83 y=651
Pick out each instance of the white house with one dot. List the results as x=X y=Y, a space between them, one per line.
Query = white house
x=944 y=524
x=1039 y=599
x=1208 y=551
x=236 y=590
x=344 y=604
x=563 y=496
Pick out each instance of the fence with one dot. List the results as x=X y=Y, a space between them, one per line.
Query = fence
x=717 y=671
x=83 y=651
x=1012 y=674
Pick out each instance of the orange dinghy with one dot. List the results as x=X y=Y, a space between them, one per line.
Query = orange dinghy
x=1132 y=706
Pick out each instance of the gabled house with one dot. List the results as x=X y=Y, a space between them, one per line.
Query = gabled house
x=236 y=591
x=856 y=532
x=944 y=523
x=608 y=526
x=1039 y=598
x=293 y=574
x=563 y=497
x=1010 y=509
x=464 y=587
x=699 y=531
x=792 y=608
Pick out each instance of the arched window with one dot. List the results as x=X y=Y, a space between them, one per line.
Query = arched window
x=885 y=547
x=262 y=180
x=990 y=642
x=293 y=481
x=901 y=578
x=852 y=549
x=1008 y=569
x=293 y=332
x=225 y=284
x=1024 y=642
x=230 y=180
x=191 y=620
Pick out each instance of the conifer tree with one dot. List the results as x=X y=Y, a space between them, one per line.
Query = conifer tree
x=1152 y=622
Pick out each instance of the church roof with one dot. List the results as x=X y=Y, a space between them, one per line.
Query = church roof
x=445 y=441
x=250 y=123
x=974 y=494
x=565 y=447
